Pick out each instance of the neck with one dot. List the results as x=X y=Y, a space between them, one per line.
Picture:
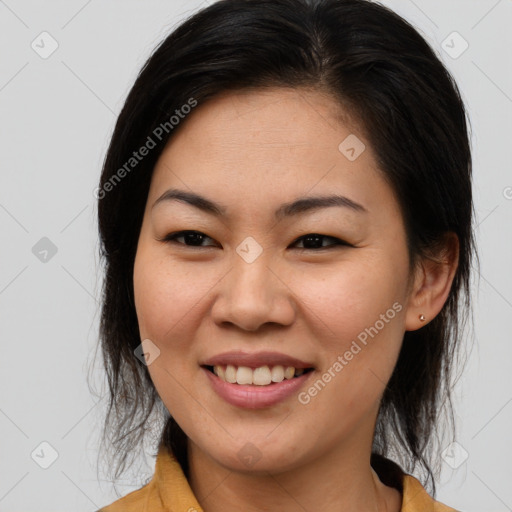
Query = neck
x=342 y=479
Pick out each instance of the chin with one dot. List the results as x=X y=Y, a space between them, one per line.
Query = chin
x=256 y=455
x=252 y=462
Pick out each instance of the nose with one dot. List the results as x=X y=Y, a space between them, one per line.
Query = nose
x=252 y=295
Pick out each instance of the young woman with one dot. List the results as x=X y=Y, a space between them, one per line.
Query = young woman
x=286 y=214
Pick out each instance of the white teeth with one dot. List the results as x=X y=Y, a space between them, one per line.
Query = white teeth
x=244 y=375
x=277 y=374
x=230 y=374
x=289 y=372
x=261 y=376
x=220 y=372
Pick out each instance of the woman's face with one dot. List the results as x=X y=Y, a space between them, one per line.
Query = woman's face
x=252 y=290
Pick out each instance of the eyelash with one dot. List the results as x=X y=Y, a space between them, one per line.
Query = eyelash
x=171 y=237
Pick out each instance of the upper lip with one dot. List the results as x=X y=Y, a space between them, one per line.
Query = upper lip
x=255 y=360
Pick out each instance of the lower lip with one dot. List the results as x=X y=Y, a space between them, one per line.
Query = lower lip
x=256 y=397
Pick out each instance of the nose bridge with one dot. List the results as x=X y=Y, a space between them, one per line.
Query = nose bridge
x=252 y=294
x=252 y=278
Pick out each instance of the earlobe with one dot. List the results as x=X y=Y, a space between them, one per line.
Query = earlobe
x=433 y=281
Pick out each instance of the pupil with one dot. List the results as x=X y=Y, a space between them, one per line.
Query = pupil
x=194 y=238
x=316 y=240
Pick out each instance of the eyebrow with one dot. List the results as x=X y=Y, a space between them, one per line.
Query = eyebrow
x=296 y=207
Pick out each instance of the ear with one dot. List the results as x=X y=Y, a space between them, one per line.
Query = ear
x=432 y=283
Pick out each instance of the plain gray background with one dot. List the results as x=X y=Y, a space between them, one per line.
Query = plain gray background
x=56 y=116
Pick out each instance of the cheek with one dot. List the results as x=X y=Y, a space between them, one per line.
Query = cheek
x=360 y=338
x=152 y=296
x=352 y=298
x=168 y=297
x=167 y=302
x=361 y=312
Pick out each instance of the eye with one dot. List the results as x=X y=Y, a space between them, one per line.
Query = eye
x=311 y=241
x=194 y=238
x=314 y=241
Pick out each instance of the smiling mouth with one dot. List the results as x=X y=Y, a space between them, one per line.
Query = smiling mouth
x=261 y=376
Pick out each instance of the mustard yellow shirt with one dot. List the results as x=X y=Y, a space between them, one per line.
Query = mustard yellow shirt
x=169 y=490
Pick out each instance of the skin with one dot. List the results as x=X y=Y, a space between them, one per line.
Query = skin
x=251 y=152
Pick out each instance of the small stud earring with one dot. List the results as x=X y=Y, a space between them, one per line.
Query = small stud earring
x=422 y=317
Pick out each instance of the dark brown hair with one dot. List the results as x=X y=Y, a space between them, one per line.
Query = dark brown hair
x=381 y=71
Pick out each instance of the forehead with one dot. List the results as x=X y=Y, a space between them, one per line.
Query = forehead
x=270 y=146
x=269 y=118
